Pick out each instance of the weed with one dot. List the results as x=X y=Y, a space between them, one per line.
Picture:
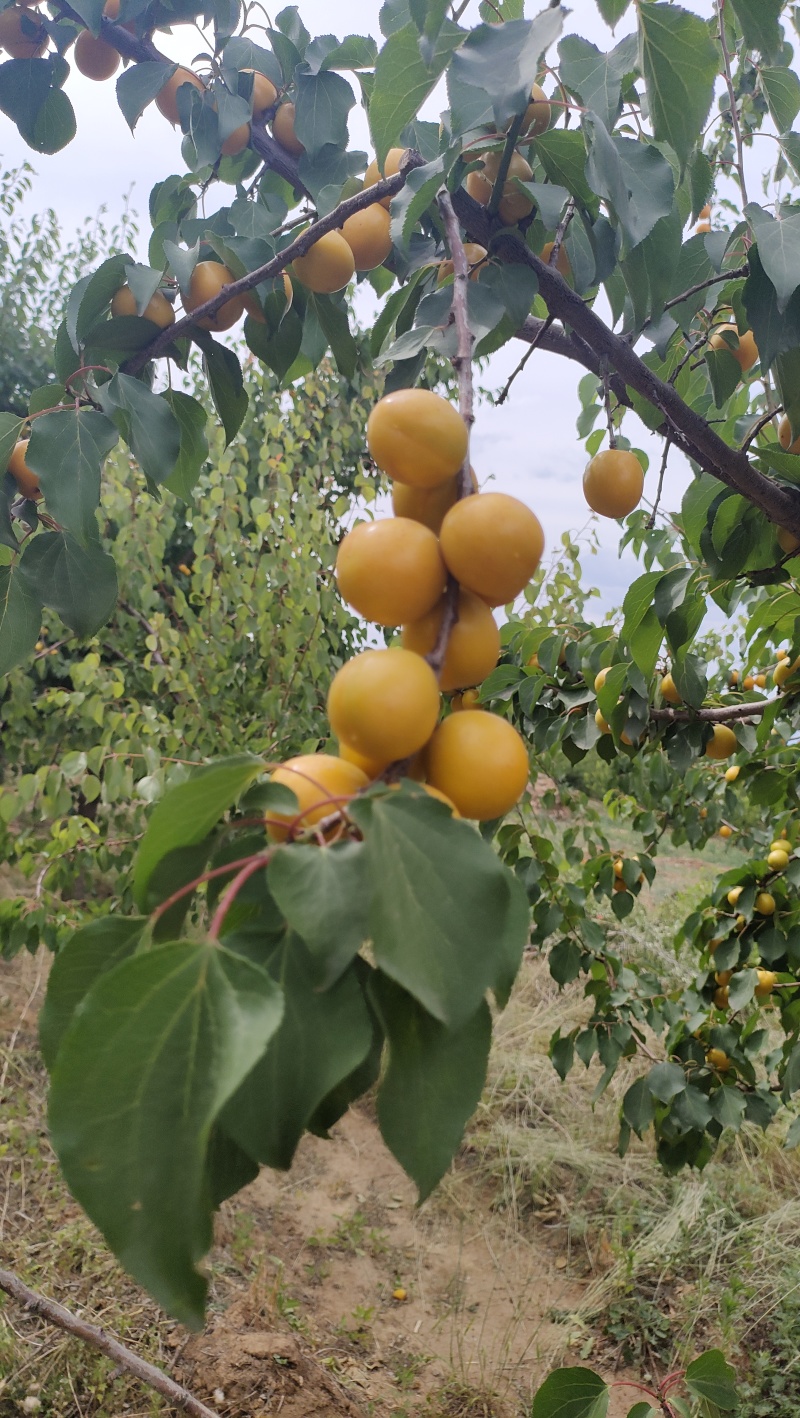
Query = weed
x=359 y=1333
x=354 y=1236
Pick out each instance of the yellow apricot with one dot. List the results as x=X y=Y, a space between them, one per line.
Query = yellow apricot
x=787 y=541
x=725 y=830
x=95 y=58
x=783 y=671
x=732 y=773
x=417 y=437
x=767 y=980
x=765 y=903
x=391 y=571
x=26 y=481
x=207 y=280
x=723 y=742
x=158 y=308
x=492 y=544
x=480 y=762
x=321 y=783
x=236 y=142
x=367 y=235
x=391 y=167
x=745 y=352
x=537 y=114
x=602 y=722
x=562 y=259
x=717 y=1058
x=283 y=130
x=252 y=304
x=476 y=258
x=514 y=205
x=600 y=679
x=264 y=93
x=17 y=40
x=473 y=647
x=669 y=690
x=613 y=482
x=327 y=266
x=384 y=704
x=167 y=100
x=777 y=860
x=734 y=894
x=427 y=504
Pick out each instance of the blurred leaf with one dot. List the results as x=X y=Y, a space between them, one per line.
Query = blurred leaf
x=78 y=582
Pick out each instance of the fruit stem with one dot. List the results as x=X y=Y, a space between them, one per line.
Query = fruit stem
x=198 y=881
x=256 y=863
x=505 y=163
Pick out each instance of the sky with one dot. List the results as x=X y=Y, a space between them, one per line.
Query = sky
x=528 y=446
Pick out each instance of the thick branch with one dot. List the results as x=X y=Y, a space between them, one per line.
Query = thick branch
x=98 y=1339
x=712 y=716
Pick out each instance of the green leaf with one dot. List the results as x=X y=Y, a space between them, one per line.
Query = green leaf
x=781 y=89
x=571 y=1393
x=724 y=373
x=20 y=618
x=403 y=81
x=355 y=51
x=89 y=953
x=78 y=582
x=228 y=1167
x=710 y=1376
x=324 y=894
x=775 y=332
x=160 y=1043
x=432 y=1082
x=322 y=1039
x=322 y=104
x=191 y=418
x=146 y=422
x=759 y=23
x=512 y=941
x=42 y=112
x=612 y=10
x=742 y=988
x=501 y=62
x=411 y=201
x=779 y=250
x=637 y=1106
x=440 y=904
x=728 y=1107
x=332 y=316
x=138 y=85
x=563 y=157
x=279 y=350
x=66 y=451
x=189 y=811
x=680 y=62
x=595 y=77
x=224 y=374
x=634 y=177
x=665 y=1081
x=90 y=298
x=335 y=1104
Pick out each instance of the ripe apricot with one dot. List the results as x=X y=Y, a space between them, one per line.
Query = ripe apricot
x=777 y=859
x=703 y=228
x=319 y=781
x=722 y=743
x=717 y=1058
x=94 y=57
x=327 y=266
x=733 y=679
x=669 y=690
x=537 y=114
x=158 y=308
x=367 y=235
x=480 y=762
x=514 y=205
x=18 y=41
x=602 y=722
x=748 y=683
x=26 y=480
x=283 y=130
x=236 y=142
x=767 y=980
x=734 y=894
x=787 y=541
x=613 y=482
x=785 y=439
x=167 y=99
x=760 y=681
x=745 y=353
x=252 y=304
x=264 y=93
x=723 y=977
x=492 y=544
x=427 y=504
x=384 y=704
x=417 y=437
x=473 y=647
x=391 y=167
x=765 y=903
x=705 y=212
x=391 y=571
x=208 y=279
x=111 y=9
x=476 y=257
x=725 y=830
x=562 y=259
x=600 y=679
x=732 y=773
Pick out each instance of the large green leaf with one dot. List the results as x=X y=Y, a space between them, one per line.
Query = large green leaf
x=138 y=85
x=192 y=421
x=775 y=332
x=88 y=954
x=596 y=77
x=90 y=298
x=224 y=374
x=188 y=812
x=711 y=1377
x=442 y=918
x=321 y=107
x=66 y=452
x=323 y=1037
x=680 y=62
x=781 y=88
x=403 y=81
x=147 y=424
x=324 y=895
x=78 y=582
x=759 y=22
x=159 y=1045
x=332 y=316
x=499 y=63
x=634 y=177
x=612 y=10
x=20 y=618
x=42 y=112
x=571 y=1393
x=432 y=1082
x=779 y=250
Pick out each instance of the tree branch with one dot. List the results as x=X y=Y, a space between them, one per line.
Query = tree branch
x=712 y=716
x=148 y=1374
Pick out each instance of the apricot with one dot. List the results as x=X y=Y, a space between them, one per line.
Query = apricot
x=252 y=304
x=208 y=279
x=767 y=980
x=777 y=860
x=320 y=782
x=283 y=130
x=26 y=480
x=761 y=681
x=537 y=114
x=745 y=353
x=476 y=258
x=600 y=679
x=613 y=482
x=94 y=57
x=167 y=98
x=492 y=544
x=473 y=647
x=717 y=1058
x=158 y=308
x=481 y=763
x=734 y=894
x=722 y=743
x=705 y=212
x=236 y=142
x=703 y=228
x=732 y=773
x=602 y=722
x=514 y=205
x=427 y=504
x=417 y=437
x=264 y=93
x=384 y=704
x=391 y=571
x=391 y=167
x=327 y=266
x=111 y=9
x=562 y=259
x=367 y=235
x=19 y=42
x=669 y=690
x=725 y=830
x=789 y=445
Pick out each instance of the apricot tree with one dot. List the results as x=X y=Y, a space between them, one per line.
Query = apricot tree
x=252 y=988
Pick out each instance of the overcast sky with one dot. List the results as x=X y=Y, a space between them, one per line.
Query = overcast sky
x=528 y=446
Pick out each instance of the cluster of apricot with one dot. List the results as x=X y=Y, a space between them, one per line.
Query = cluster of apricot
x=514 y=205
x=722 y=743
x=441 y=554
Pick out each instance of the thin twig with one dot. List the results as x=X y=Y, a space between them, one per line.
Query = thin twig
x=534 y=345
x=703 y=285
x=651 y=521
x=569 y=213
x=612 y=432
x=757 y=427
x=124 y=1358
x=232 y=891
x=737 y=132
